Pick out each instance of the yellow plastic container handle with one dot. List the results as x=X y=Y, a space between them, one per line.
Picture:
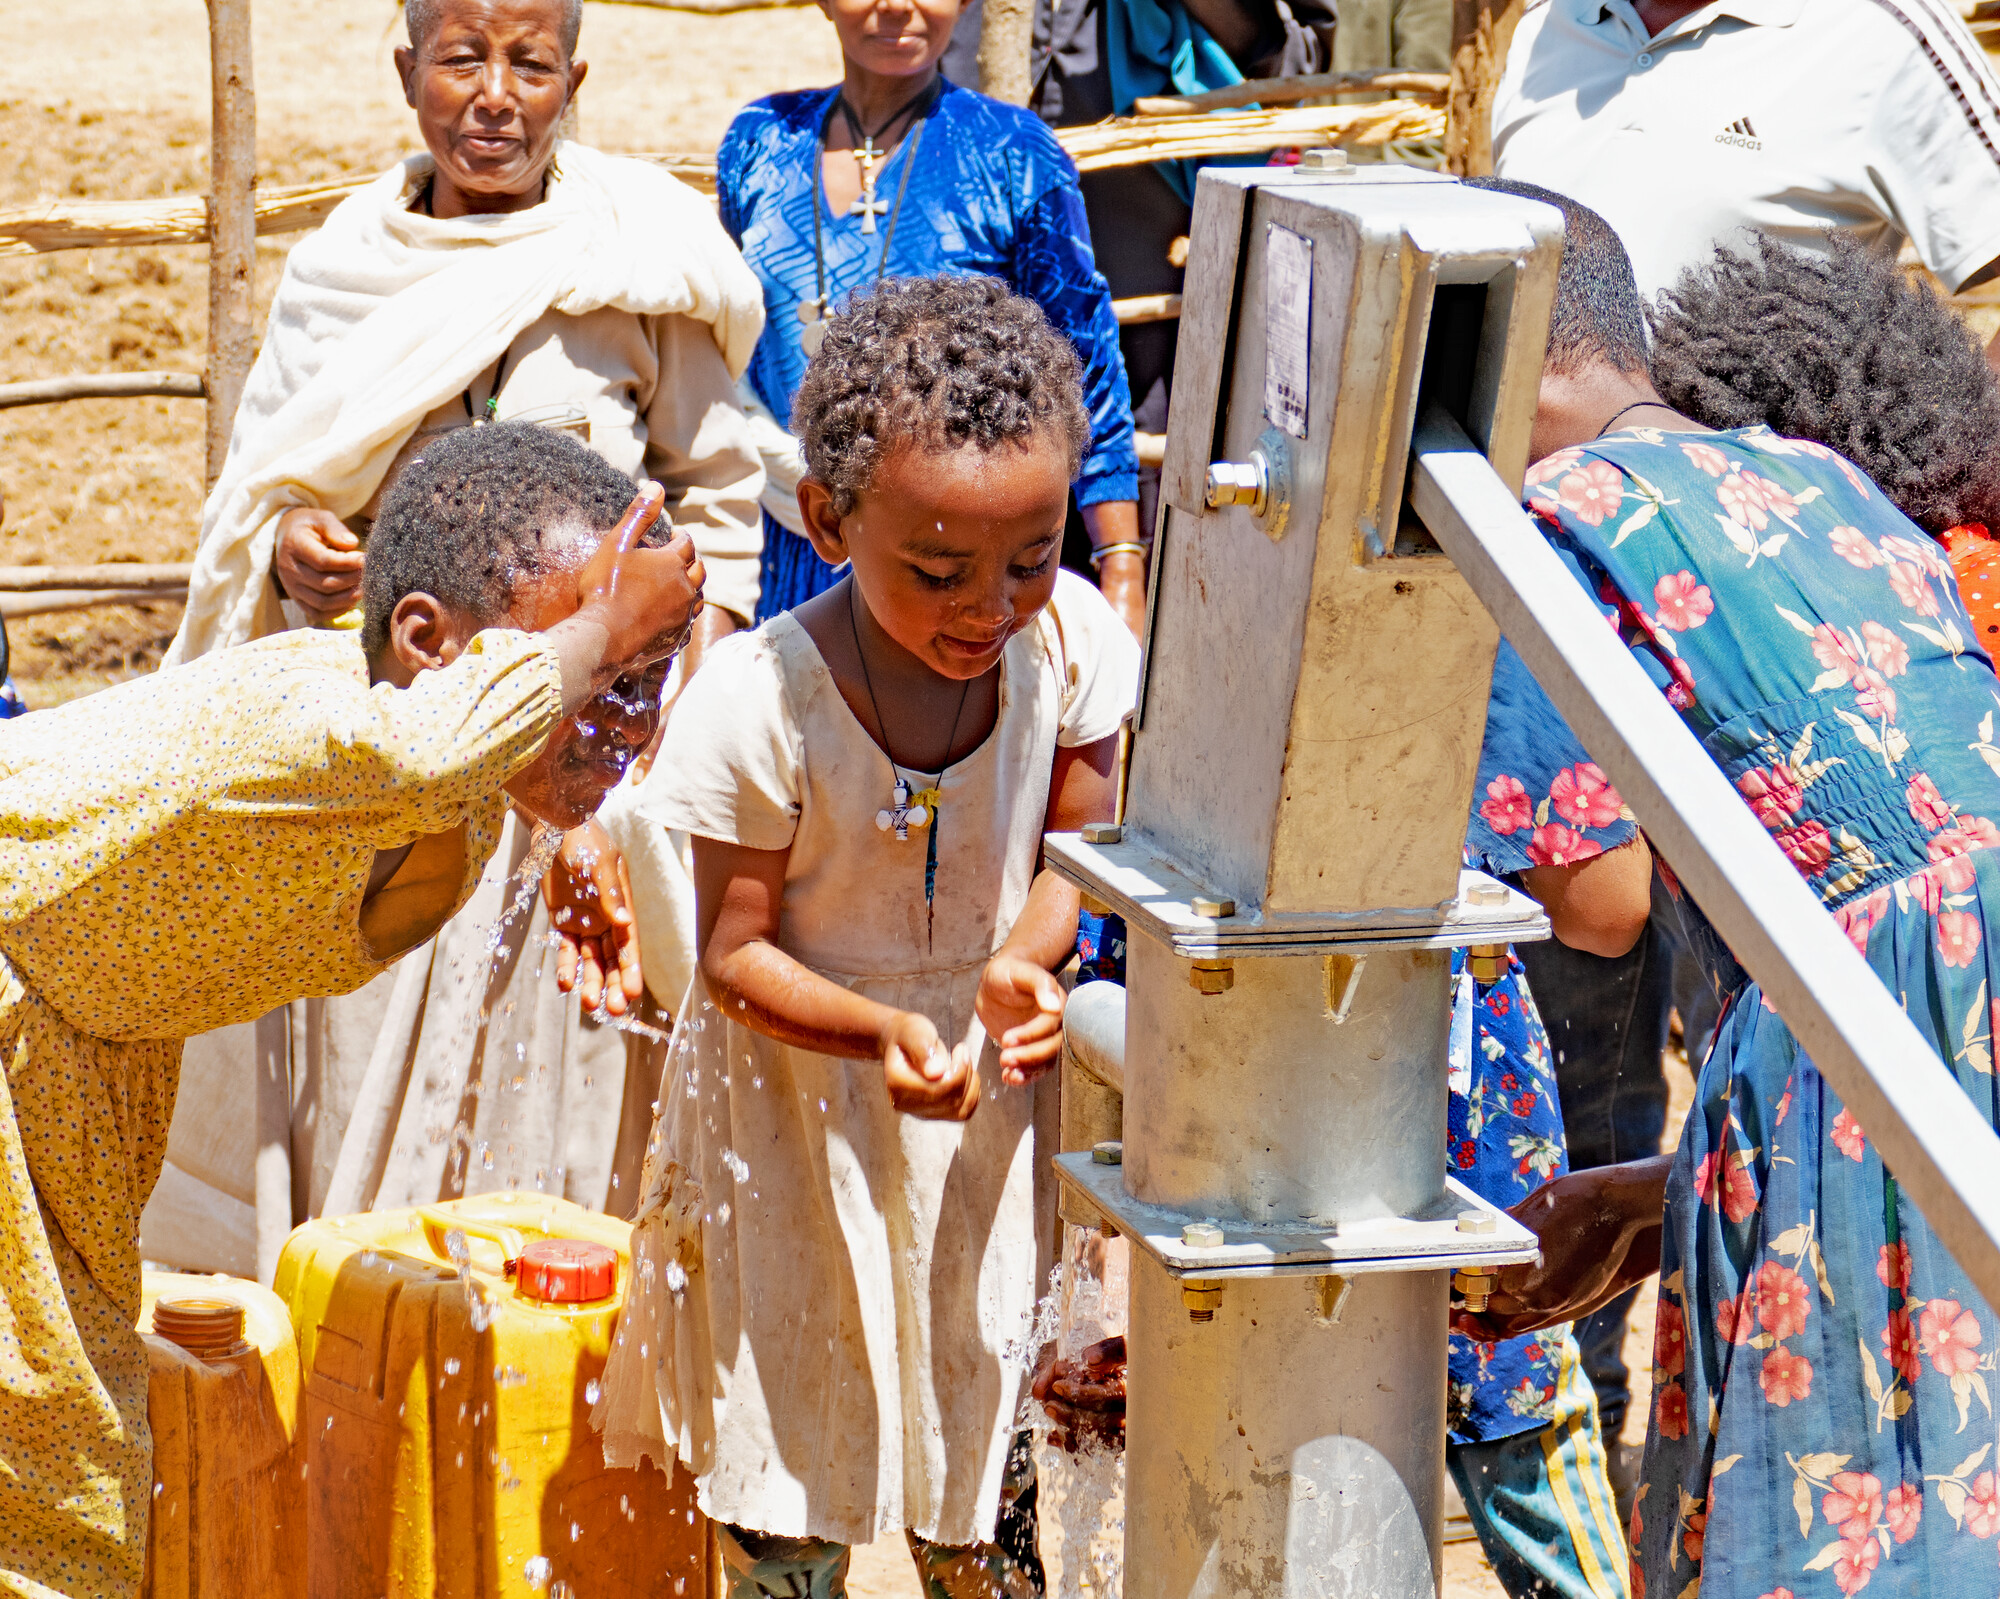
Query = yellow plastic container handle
x=438 y=1222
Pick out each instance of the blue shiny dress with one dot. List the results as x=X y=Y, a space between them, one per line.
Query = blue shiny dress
x=991 y=192
x=1823 y=1392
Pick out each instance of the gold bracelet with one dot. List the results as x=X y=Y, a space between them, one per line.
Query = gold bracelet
x=1122 y=547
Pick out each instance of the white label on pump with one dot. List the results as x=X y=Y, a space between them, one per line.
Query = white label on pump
x=1288 y=263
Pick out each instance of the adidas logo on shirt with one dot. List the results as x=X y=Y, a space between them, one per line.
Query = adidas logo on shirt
x=1740 y=134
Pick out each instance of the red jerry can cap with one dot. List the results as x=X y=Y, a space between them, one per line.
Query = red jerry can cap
x=567 y=1271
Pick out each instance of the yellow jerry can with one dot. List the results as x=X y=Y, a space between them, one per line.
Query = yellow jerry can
x=447 y=1409
x=228 y=1510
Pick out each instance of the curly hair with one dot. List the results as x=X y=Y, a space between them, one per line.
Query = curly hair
x=1597 y=315
x=939 y=363
x=479 y=512
x=1846 y=350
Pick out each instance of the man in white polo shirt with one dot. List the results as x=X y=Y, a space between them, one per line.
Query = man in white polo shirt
x=1684 y=124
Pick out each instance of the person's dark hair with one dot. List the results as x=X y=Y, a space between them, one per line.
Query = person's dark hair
x=474 y=515
x=1846 y=350
x=939 y=363
x=421 y=18
x=1598 y=315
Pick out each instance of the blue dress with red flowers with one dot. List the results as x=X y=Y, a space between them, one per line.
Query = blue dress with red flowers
x=1540 y=801
x=1823 y=1417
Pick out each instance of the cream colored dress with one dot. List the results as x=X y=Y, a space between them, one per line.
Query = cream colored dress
x=832 y=1307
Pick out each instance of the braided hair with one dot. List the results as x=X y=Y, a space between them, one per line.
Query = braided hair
x=1846 y=350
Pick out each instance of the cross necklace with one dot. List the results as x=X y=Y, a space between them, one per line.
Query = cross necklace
x=867 y=156
x=905 y=809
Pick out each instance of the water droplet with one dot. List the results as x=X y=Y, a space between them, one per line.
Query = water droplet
x=537 y=1572
x=592 y=1391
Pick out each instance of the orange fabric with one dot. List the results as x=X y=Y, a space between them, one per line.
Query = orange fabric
x=1975 y=560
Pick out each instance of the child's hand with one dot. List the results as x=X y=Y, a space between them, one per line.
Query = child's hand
x=1021 y=1004
x=924 y=1078
x=1085 y=1397
x=589 y=895
x=645 y=597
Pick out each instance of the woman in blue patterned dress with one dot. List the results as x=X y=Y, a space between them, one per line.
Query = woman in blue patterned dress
x=896 y=172
x=1822 y=1415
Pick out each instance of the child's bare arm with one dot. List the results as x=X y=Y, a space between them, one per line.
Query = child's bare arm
x=738 y=893
x=1019 y=1000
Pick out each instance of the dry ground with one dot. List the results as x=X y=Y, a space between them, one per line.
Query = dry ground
x=103 y=99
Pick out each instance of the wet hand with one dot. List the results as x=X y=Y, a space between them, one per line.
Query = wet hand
x=318 y=561
x=1599 y=1232
x=1085 y=1397
x=645 y=598
x=589 y=895
x=924 y=1077
x=1020 y=1004
x=1121 y=579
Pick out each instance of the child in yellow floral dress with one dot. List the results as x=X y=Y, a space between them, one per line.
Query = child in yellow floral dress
x=285 y=818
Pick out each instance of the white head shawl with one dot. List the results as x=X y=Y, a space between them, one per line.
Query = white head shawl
x=383 y=315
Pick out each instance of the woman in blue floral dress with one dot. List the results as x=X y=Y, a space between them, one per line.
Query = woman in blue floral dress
x=1822 y=1415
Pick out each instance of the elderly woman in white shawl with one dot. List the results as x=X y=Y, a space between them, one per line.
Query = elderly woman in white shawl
x=506 y=274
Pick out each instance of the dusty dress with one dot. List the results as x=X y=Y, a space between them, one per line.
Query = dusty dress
x=833 y=1302
x=620 y=298
x=1822 y=1406
x=179 y=852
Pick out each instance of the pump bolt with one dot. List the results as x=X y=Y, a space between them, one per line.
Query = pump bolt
x=1213 y=977
x=1111 y=1152
x=1103 y=833
x=1474 y=1288
x=1216 y=908
x=1487 y=894
x=1324 y=160
x=1201 y=1235
x=1239 y=483
x=1477 y=1221
x=1201 y=1300
x=1486 y=962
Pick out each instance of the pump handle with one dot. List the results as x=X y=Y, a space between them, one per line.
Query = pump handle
x=438 y=1222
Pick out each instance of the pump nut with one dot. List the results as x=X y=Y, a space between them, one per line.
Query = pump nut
x=1213 y=977
x=1216 y=908
x=1103 y=833
x=1239 y=483
x=1477 y=1221
x=1201 y=1300
x=1487 y=894
x=1474 y=1288
x=1324 y=160
x=1486 y=962
x=1201 y=1235
x=1110 y=1152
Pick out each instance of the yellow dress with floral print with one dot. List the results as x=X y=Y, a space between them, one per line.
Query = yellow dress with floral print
x=176 y=853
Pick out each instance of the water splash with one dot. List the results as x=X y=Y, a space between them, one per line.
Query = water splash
x=1081 y=1493
x=541 y=855
x=478 y=1311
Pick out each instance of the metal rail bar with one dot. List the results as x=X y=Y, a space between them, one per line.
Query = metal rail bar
x=1943 y=1154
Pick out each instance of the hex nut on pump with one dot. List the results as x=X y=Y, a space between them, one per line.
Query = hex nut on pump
x=1213 y=977
x=1201 y=1300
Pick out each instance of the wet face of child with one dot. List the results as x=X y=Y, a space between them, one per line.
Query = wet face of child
x=954 y=551
x=588 y=752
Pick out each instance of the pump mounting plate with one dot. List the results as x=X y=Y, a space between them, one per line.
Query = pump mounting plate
x=1156 y=895
x=1428 y=1242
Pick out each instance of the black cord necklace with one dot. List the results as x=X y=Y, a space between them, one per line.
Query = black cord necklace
x=1636 y=405
x=909 y=809
x=812 y=313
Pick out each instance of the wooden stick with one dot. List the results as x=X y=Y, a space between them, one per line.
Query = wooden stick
x=232 y=221
x=46 y=601
x=101 y=386
x=181 y=219
x=93 y=224
x=1006 y=44
x=1432 y=86
x=1481 y=30
x=1140 y=308
x=118 y=575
